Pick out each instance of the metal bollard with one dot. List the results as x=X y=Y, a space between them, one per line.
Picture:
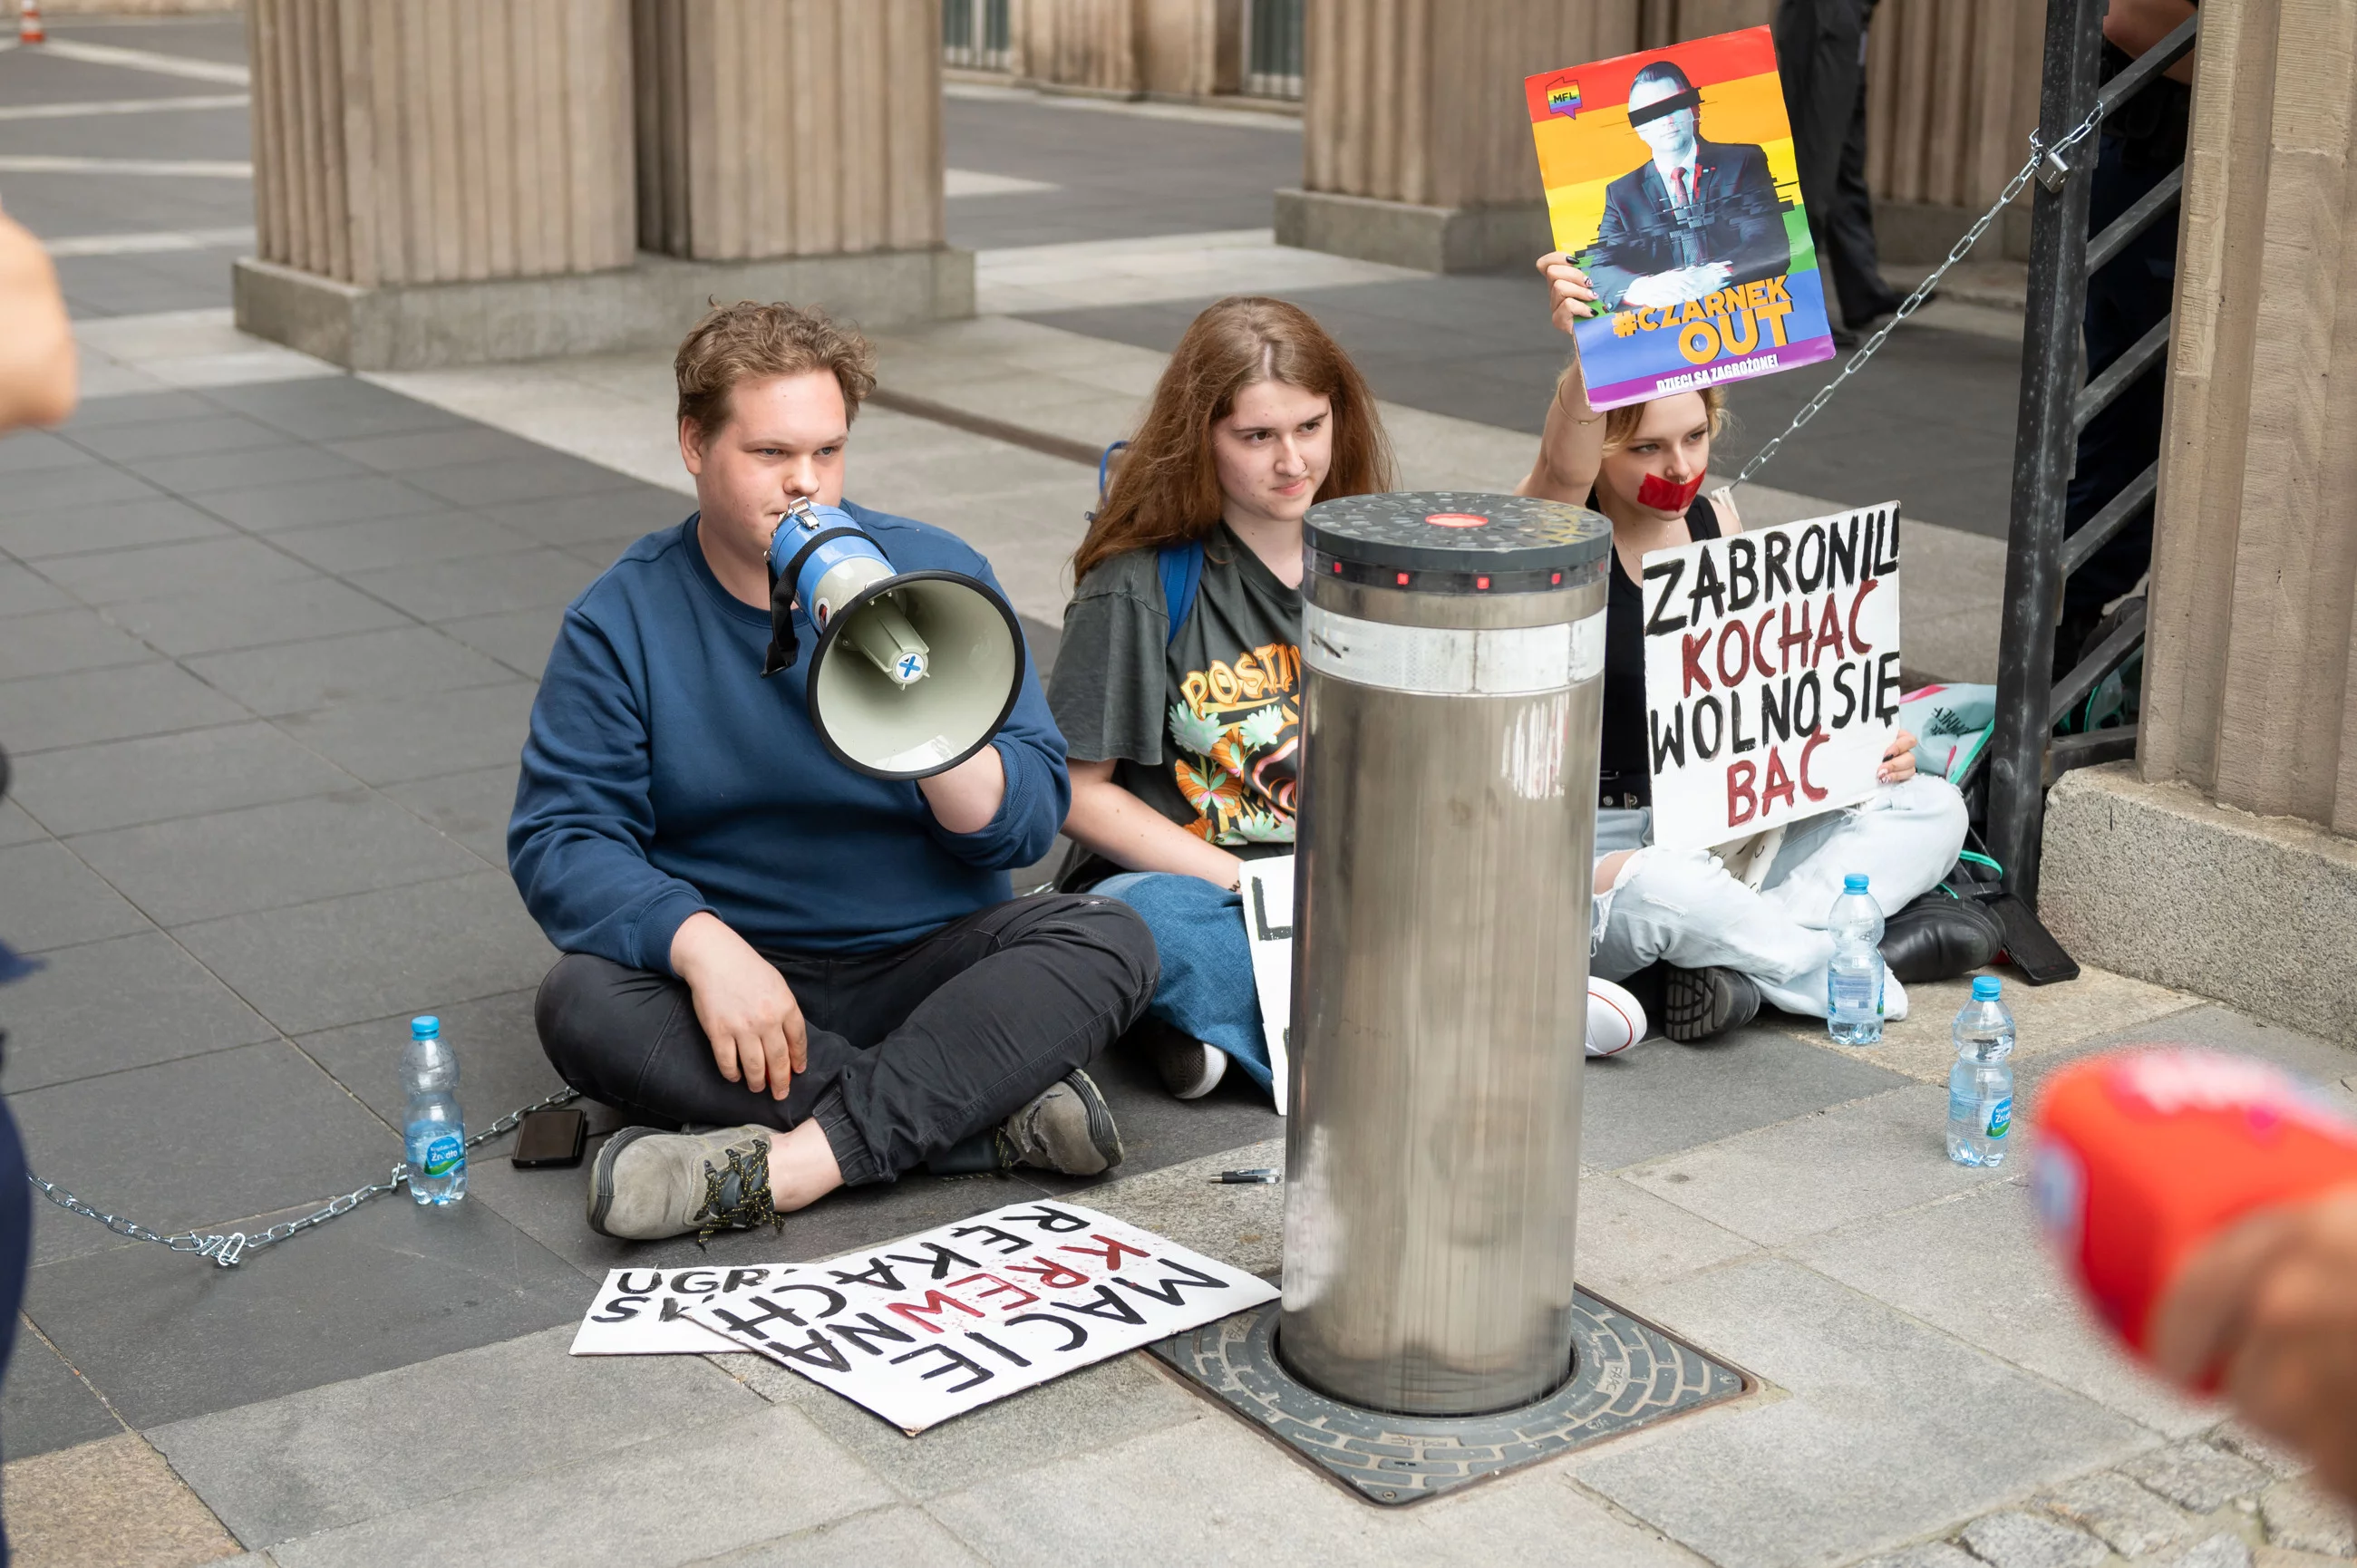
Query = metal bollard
x=1454 y=651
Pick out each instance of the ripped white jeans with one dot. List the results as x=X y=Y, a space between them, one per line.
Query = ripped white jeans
x=1682 y=907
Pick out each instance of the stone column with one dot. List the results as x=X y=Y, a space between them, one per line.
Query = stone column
x=407 y=145
x=1417 y=147
x=2224 y=859
x=450 y=181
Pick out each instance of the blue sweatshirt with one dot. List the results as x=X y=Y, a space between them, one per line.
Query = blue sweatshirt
x=664 y=775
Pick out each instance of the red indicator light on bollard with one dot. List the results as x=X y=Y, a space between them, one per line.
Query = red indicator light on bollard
x=1457 y=520
x=1482 y=584
x=1403 y=579
x=1557 y=578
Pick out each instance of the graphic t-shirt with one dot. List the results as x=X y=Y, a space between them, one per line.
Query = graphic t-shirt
x=1206 y=728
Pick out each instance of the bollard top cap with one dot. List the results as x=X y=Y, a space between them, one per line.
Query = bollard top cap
x=1435 y=537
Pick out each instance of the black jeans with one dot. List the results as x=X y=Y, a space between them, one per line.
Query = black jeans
x=911 y=1050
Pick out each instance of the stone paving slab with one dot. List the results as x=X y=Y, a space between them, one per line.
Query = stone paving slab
x=297 y=677
x=393 y=1440
x=395 y=740
x=501 y=1064
x=69 y=528
x=63 y=902
x=471 y=808
x=1976 y=1267
x=43 y=712
x=264 y=857
x=1890 y=1423
x=752 y=1477
x=1092 y=1410
x=1664 y=1097
x=94 y=1009
x=46 y=1405
x=122 y=784
x=114 y=1503
x=898 y=1537
x=1795 y=1179
x=167 y=1338
x=2047 y=1019
x=376 y=954
x=201 y=1139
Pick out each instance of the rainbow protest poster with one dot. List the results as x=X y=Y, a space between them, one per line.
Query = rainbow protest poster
x=1671 y=182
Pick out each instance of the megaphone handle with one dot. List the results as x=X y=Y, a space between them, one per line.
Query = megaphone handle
x=785 y=647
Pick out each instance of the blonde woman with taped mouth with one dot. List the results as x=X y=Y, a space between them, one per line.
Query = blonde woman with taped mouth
x=1714 y=935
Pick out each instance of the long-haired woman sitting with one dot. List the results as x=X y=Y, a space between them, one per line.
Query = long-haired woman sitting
x=1728 y=942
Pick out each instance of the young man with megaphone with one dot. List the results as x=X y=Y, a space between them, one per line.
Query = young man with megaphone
x=783 y=757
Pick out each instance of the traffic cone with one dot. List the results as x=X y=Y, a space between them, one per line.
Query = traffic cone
x=28 y=24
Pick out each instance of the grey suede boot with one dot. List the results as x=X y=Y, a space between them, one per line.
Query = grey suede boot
x=648 y=1185
x=1068 y=1129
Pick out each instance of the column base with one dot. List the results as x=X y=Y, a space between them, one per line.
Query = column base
x=647 y=305
x=1429 y=239
x=2154 y=881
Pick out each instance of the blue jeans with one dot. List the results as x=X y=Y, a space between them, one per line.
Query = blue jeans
x=1207 y=989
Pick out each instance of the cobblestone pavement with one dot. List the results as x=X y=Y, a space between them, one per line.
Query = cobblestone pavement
x=267 y=636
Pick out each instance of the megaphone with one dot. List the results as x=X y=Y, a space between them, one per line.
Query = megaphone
x=914 y=671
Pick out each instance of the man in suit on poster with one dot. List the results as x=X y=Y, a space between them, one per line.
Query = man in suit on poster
x=1697 y=217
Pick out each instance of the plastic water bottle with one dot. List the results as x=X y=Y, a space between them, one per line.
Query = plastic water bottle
x=1854 y=981
x=1980 y=1086
x=437 y=1134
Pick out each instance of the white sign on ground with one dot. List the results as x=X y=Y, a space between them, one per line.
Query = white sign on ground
x=643 y=1312
x=927 y=1328
x=1268 y=925
x=1771 y=673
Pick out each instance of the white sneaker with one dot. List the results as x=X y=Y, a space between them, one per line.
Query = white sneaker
x=1190 y=1069
x=1616 y=1020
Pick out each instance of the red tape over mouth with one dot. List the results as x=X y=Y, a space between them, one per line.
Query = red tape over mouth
x=1663 y=496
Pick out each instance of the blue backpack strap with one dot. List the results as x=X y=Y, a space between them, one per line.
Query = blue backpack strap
x=1182 y=566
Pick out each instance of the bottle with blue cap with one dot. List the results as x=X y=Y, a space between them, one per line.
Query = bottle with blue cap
x=1854 y=979
x=434 y=1132
x=1980 y=1086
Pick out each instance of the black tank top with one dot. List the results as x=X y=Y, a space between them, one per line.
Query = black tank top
x=1625 y=773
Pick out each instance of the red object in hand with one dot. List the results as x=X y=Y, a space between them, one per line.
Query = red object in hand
x=2144 y=1155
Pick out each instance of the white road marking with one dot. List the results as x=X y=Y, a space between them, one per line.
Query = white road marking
x=147 y=61
x=146 y=244
x=189 y=168
x=123 y=107
x=959 y=182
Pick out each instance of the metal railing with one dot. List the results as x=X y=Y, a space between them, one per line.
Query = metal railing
x=2026 y=755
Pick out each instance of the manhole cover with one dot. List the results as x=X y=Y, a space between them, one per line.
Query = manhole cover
x=1627 y=1374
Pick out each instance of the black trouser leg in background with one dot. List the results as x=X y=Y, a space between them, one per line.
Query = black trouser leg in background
x=1849 y=229
x=910 y=1050
x=2130 y=297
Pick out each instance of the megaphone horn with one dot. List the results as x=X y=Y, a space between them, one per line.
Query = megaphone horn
x=914 y=671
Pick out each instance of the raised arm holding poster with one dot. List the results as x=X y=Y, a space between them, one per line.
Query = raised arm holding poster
x=1669 y=179
x=1771 y=673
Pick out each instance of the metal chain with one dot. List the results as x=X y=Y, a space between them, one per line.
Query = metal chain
x=2048 y=167
x=227 y=1252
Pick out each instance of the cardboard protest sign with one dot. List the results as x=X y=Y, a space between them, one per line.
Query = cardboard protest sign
x=643 y=1312
x=1268 y=926
x=1671 y=181
x=927 y=1328
x=1771 y=673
